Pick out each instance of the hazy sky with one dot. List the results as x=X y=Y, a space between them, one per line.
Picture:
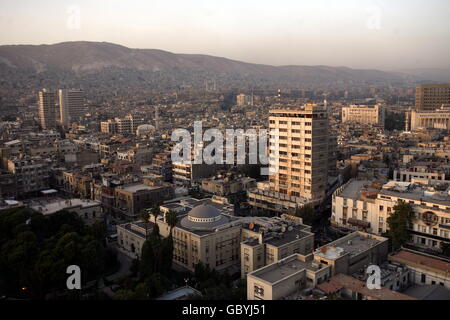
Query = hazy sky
x=390 y=34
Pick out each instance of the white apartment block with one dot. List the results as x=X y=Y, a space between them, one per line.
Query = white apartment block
x=360 y=206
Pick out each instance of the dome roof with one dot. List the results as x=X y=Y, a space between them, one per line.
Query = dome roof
x=204 y=212
x=204 y=218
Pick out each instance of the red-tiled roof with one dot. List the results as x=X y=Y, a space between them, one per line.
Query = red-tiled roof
x=408 y=257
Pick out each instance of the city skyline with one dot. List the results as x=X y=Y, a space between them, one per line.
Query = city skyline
x=357 y=34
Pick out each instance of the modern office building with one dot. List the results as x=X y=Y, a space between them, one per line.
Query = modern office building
x=432 y=96
x=47 y=109
x=71 y=105
x=365 y=114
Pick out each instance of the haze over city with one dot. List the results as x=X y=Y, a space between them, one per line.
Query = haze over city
x=385 y=35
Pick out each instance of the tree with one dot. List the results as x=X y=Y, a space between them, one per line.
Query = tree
x=171 y=219
x=445 y=247
x=145 y=216
x=306 y=213
x=399 y=223
x=155 y=212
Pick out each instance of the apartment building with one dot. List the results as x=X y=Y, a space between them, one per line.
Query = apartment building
x=47 y=109
x=127 y=125
x=359 y=205
x=432 y=96
x=300 y=156
x=365 y=114
x=130 y=199
x=71 y=105
x=32 y=173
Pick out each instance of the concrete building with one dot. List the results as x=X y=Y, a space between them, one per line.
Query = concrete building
x=47 y=109
x=31 y=173
x=365 y=114
x=206 y=235
x=127 y=125
x=131 y=199
x=359 y=205
x=301 y=156
x=432 y=96
x=227 y=185
x=425 y=269
x=71 y=105
x=431 y=119
x=289 y=276
x=89 y=210
x=265 y=241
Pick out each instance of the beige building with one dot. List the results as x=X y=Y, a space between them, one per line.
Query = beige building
x=286 y=278
x=433 y=119
x=89 y=210
x=47 y=109
x=206 y=235
x=32 y=173
x=425 y=269
x=131 y=199
x=374 y=115
x=265 y=241
x=360 y=206
x=432 y=96
x=127 y=125
x=301 y=156
x=71 y=105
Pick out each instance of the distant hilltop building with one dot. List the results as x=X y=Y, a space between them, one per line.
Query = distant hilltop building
x=366 y=114
x=71 y=105
x=432 y=96
x=244 y=100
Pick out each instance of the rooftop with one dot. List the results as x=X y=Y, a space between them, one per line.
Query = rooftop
x=421 y=260
x=353 y=244
x=355 y=285
x=138 y=187
x=53 y=206
x=285 y=268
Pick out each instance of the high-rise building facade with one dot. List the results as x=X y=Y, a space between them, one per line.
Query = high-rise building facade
x=71 y=105
x=430 y=97
x=302 y=151
x=47 y=109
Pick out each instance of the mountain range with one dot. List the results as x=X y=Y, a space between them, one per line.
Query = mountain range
x=81 y=62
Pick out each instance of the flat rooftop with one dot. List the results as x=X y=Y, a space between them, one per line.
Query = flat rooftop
x=344 y=281
x=353 y=188
x=138 y=187
x=352 y=244
x=421 y=260
x=53 y=206
x=418 y=193
x=283 y=269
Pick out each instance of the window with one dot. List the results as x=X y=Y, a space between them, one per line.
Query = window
x=259 y=290
x=423 y=278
